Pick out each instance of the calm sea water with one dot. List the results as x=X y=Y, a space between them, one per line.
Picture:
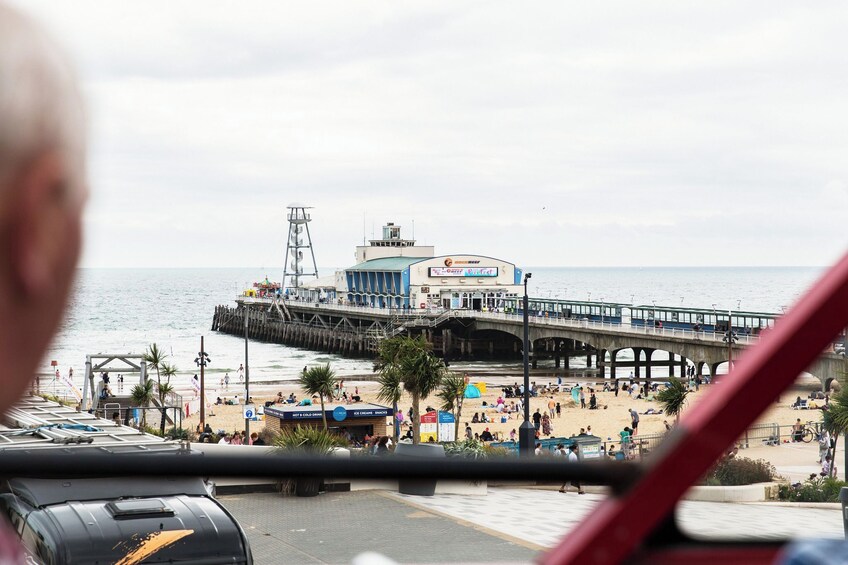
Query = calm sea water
x=124 y=310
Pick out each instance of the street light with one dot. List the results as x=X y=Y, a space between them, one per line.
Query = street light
x=730 y=338
x=201 y=361
x=526 y=432
x=246 y=375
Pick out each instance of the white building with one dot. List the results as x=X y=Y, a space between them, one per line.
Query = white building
x=395 y=273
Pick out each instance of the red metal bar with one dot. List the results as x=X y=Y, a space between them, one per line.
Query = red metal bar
x=616 y=528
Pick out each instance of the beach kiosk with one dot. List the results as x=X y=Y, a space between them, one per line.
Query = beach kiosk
x=359 y=419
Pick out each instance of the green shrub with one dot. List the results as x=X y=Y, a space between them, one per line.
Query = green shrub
x=180 y=434
x=739 y=471
x=469 y=448
x=814 y=489
x=305 y=439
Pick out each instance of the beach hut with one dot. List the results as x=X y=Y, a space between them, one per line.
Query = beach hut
x=472 y=391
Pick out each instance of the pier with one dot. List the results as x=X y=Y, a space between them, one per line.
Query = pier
x=468 y=334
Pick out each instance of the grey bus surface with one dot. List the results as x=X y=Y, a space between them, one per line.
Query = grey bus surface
x=112 y=519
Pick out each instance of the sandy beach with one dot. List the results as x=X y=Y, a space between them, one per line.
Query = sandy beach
x=606 y=422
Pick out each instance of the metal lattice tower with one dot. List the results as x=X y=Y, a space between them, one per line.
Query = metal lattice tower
x=295 y=244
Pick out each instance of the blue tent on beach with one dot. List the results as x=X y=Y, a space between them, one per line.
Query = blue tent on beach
x=472 y=391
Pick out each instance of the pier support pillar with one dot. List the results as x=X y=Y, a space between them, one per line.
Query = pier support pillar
x=648 y=353
x=613 y=353
x=671 y=364
x=637 y=361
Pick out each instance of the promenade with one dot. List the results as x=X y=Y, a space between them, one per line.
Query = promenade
x=509 y=525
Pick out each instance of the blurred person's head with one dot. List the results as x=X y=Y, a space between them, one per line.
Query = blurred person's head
x=42 y=191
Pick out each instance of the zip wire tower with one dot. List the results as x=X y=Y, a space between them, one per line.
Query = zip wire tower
x=295 y=244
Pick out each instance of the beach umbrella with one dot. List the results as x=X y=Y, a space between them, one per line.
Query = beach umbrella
x=472 y=391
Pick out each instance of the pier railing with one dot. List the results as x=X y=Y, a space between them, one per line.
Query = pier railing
x=432 y=317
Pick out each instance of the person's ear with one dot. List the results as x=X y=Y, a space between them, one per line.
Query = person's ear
x=41 y=245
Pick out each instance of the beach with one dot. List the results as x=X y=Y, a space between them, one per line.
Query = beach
x=605 y=422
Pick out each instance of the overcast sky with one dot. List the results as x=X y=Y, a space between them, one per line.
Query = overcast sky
x=637 y=133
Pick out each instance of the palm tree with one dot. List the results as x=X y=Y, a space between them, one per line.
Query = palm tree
x=319 y=380
x=155 y=357
x=835 y=419
x=390 y=383
x=164 y=389
x=142 y=395
x=673 y=398
x=452 y=394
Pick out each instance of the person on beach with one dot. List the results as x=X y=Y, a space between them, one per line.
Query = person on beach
x=558 y=410
x=582 y=398
x=546 y=425
x=634 y=421
x=537 y=419
x=469 y=433
x=552 y=406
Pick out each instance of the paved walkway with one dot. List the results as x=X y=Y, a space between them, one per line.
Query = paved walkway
x=336 y=527
x=543 y=517
x=509 y=525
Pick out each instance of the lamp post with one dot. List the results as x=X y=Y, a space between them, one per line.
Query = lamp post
x=202 y=360
x=246 y=374
x=526 y=432
x=730 y=338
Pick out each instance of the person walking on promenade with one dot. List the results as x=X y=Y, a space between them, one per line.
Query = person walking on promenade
x=43 y=190
x=572 y=458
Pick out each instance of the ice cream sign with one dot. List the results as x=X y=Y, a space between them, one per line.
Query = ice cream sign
x=463 y=271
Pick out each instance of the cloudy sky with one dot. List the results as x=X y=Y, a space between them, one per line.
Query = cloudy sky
x=548 y=133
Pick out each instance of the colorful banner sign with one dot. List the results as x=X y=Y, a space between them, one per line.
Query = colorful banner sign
x=437 y=425
x=463 y=271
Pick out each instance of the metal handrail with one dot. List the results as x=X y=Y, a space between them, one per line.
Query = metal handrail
x=241 y=462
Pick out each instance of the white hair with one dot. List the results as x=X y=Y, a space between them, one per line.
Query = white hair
x=41 y=107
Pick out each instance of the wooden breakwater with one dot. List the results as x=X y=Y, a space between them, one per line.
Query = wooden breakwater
x=269 y=326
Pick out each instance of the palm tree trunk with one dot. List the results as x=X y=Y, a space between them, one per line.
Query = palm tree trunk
x=457 y=416
x=323 y=414
x=164 y=415
x=396 y=425
x=416 y=420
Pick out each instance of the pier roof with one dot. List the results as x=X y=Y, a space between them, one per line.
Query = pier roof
x=387 y=264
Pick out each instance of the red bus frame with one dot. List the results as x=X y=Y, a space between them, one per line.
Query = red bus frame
x=617 y=528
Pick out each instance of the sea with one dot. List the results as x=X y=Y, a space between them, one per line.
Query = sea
x=120 y=311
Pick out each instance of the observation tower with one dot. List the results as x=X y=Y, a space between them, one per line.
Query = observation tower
x=296 y=260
